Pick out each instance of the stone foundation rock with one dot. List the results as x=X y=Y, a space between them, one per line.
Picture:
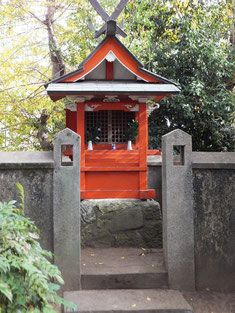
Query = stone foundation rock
x=121 y=223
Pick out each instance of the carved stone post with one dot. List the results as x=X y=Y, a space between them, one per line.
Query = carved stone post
x=66 y=207
x=178 y=224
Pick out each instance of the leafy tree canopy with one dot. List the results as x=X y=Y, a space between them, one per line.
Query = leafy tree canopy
x=190 y=42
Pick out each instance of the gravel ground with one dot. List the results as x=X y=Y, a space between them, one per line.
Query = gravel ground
x=211 y=302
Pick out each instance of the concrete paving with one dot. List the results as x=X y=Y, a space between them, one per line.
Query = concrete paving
x=118 y=301
x=211 y=302
x=123 y=268
x=125 y=280
x=121 y=260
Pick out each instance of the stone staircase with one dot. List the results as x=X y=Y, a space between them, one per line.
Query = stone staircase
x=118 y=280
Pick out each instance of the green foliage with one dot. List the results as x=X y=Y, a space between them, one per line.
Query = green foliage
x=93 y=134
x=25 y=271
x=25 y=68
x=132 y=130
x=190 y=43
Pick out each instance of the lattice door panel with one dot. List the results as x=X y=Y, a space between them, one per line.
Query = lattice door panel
x=98 y=119
x=120 y=119
x=113 y=124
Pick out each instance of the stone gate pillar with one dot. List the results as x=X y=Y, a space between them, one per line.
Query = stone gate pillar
x=66 y=207
x=178 y=224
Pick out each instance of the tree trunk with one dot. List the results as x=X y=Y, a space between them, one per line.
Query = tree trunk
x=42 y=133
x=58 y=66
x=58 y=69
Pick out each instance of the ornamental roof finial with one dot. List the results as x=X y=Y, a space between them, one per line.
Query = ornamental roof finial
x=110 y=28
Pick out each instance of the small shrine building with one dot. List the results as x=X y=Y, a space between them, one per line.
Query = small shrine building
x=109 y=90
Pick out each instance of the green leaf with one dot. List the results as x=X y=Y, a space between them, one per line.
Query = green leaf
x=54 y=287
x=6 y=290
x=67 y=304
x=21 y=190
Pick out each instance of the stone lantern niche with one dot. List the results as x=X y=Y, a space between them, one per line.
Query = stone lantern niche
x=107 y=92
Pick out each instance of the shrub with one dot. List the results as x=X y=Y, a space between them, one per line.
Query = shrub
x=26 y=273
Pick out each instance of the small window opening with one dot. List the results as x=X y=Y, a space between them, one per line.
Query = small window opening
x=66 y=155
x=178 y=155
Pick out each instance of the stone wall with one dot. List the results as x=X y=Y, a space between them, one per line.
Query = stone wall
x=214 y=209
x=128 y=223
x=214 y=217
x=155 y=176
x=214 y=220
x=121 y=223
x=34 y=171
x=214 y=205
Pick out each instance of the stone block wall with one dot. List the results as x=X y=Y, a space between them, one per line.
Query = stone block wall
x=214 y=211
x=111 y=223
x=121 y=223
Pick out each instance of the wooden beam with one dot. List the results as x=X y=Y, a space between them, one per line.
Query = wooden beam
x=109 y=70
x=99 y=9
x=81 y=132
x=114 y=169
x=117 y=194
x=143 y=144
x=118 y=9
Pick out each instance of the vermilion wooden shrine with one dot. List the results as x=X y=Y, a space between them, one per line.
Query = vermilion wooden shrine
x=110 y=88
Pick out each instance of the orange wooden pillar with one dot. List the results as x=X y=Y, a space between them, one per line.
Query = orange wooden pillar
x=81 y=132
x=71 y=120
x=143 y=146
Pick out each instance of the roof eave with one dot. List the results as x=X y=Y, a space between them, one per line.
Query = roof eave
x=129 y=52
x=163 y=79
x=113 y=92
x=80 y=67
x=58 y=80
x=140 y=65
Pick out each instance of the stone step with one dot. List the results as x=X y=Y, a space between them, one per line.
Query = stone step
x=125 y=281
x=124 y=301
x=123 y=268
